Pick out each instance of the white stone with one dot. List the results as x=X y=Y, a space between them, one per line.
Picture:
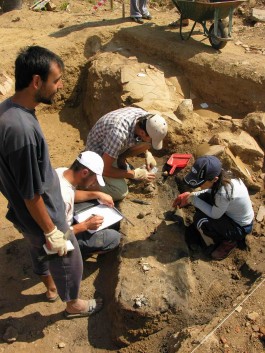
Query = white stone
x=185 y=109
x=252 y=316
x=261 y=214
x=258 y=15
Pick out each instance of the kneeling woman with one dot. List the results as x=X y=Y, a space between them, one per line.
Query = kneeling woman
x=223 y=207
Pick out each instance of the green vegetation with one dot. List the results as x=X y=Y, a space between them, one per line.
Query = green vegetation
x=64 y=5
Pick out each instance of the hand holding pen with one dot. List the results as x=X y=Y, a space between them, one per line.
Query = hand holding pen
x=93 y=222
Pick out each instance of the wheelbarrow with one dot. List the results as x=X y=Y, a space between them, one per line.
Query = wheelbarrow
x=200 y=12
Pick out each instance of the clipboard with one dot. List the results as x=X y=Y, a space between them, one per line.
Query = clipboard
x=69 y=244
x=111 y=216
x=83 y=206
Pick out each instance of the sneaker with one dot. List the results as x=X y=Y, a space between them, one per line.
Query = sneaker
x=137 y=20
x=176 y=24
x=147 y=17
x=223 y=250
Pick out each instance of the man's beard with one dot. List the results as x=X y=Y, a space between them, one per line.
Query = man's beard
x=45 y=100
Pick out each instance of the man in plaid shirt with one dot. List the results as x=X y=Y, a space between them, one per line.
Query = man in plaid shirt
x=122 y=133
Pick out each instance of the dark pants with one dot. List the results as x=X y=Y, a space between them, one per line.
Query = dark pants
x=220 y=229
x=66 y=270
x=101 y=241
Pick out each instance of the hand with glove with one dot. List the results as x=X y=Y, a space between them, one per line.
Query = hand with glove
x=183 y=200
x=149 y=160
x=56 y=240
x=143 y=174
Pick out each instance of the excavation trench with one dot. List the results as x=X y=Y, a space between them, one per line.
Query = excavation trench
x=158 y=282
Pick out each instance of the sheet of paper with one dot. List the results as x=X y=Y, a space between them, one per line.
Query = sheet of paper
x=69 y=244
x=110 y=216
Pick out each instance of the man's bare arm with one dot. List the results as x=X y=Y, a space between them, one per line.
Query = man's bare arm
x=39 y=213
x=110 y=171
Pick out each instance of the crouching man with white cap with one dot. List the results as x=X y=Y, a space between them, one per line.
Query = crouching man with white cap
x=85 y=171
x=123 y=133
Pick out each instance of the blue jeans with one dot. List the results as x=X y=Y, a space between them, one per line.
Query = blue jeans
x=103 y=240
x=138 y=8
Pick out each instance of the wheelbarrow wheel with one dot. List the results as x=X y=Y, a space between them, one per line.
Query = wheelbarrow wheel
x=222 y=32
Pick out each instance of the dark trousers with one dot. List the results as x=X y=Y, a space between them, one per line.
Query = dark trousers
x=66 y=270
x=221 y=229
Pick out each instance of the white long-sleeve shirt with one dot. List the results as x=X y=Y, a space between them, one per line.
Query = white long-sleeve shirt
x=238 y=206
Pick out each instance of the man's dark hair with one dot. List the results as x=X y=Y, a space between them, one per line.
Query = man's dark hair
x=76 y=166
x=142 y=121
x=34 y=60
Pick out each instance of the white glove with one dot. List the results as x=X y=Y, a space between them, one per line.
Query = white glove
x=149 y=160
x=140 y=174
x=57 y=240
x=143 y=174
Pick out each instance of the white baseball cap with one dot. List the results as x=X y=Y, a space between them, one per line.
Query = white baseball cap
x=93 y=162
x=156 y=127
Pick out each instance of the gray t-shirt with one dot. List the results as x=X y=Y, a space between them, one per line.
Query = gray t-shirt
x=25 y=169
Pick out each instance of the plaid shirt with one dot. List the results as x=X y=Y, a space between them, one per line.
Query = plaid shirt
x=113 y=133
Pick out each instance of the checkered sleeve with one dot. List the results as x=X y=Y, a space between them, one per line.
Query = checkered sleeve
x=114 y=142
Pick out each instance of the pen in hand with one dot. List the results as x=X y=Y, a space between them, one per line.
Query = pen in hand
x=94 y=221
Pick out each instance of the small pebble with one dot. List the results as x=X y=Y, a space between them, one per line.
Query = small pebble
x=141 y=215
x=238 y=309
x=252 y=316
x=262 y=330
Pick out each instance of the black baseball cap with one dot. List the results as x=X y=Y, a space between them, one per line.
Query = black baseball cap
x=205 y=168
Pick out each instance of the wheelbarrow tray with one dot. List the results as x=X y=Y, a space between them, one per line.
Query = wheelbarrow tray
x=204 y=11
x=177 y=160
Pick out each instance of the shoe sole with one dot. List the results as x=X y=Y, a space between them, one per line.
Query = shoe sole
x=137 y=21
x=53 y=300
x=87 y=313
x=222 y=258
x=78 y=315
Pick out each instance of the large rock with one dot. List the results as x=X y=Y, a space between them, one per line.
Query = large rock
x=115 y=81
x=254 y=124
x=242 y=145
x=239 y=169
x=146 y=84
x=209 y=150
x=160 y=283
x=258 y=15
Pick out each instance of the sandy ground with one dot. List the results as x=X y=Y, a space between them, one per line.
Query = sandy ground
x=38 y=325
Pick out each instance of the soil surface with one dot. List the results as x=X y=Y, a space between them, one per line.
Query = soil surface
x=189 y=310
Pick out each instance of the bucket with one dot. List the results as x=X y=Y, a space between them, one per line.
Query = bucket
x=9 y=5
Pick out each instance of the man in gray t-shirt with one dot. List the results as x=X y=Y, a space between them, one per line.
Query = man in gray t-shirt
x=25 y=170
x=31 y=186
